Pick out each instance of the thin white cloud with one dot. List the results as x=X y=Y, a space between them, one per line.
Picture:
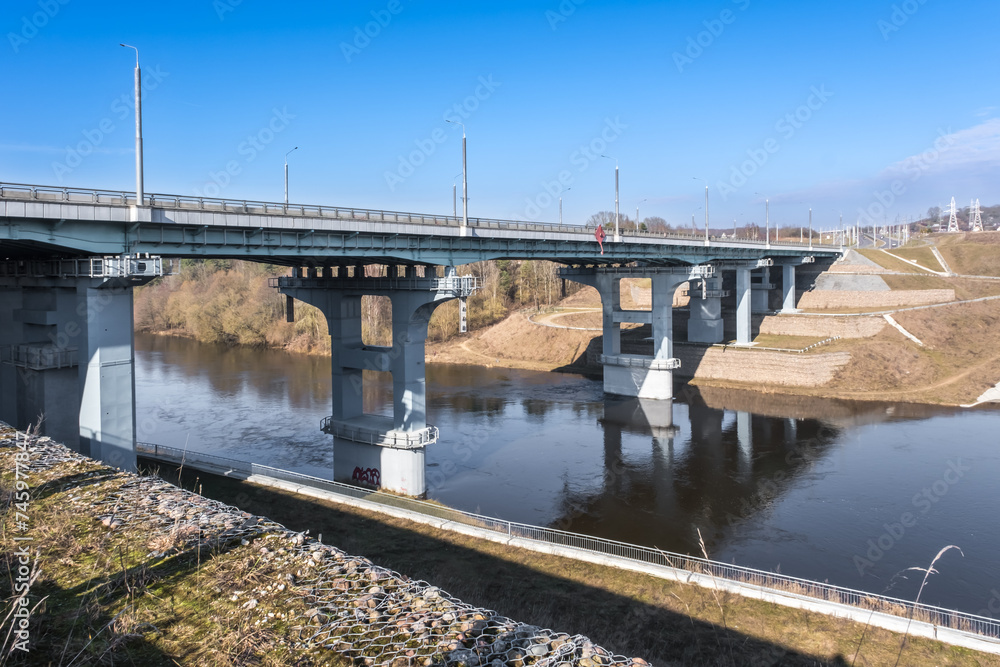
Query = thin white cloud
x=25 y=148
x=976 y=146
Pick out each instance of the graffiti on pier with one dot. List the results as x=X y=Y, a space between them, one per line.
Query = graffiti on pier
x=369 y=476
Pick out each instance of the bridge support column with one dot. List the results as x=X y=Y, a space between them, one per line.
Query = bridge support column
x=368 y=449
x=705 y=324
x=638 y=375
x=68 y=352
x=743 y=309
x=760 y=297
x=788 y=289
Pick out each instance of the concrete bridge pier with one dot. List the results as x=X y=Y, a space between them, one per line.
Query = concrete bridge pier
x=788 y=293
x=637 y=375
x=705 y=324
x=67 y=351
x=368 y=449
x=761 y=295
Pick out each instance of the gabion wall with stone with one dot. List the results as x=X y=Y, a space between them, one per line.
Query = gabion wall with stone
x=353 y=607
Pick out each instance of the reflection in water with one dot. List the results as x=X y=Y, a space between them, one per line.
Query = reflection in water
x=800 y=484
x=726 y=471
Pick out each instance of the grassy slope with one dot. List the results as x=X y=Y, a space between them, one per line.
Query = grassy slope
x=971 y=254
x=631 y=614
x=921 y=254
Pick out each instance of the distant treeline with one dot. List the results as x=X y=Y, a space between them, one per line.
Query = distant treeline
x=229 y=302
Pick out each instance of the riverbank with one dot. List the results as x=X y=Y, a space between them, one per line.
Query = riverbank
x=129 y=568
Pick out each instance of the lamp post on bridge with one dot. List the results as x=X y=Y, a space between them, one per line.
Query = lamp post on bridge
x=698 y=178
x=637 y=213
x=767 y=221
x=286 y=172
x=465 y=182
x=454 y=196
x=140 y=197
x=618 y=237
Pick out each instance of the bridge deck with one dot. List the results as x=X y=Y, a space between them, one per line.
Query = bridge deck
x=43 y=220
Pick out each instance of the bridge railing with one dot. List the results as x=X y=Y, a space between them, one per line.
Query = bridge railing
x=947 y=618
x=42 y=193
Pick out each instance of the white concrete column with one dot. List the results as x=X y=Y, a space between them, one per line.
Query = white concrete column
x=410 y=315
x=107 y=363
x=344 y=321
x=663 y=316
x=788 y=289
x=609 y=289
x=743 y=311
x=759 y=299
x=705 y=324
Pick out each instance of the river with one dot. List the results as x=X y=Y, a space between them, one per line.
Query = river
x=850 y=493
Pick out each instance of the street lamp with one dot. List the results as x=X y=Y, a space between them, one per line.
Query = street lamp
x=560 y=204
x=140 y=198
x=465 y=182
x=454 y=196
x=618 y=237
x=637 y=213
x=286 y=172
x=767 y=221
x=810 y=228
x=697 y=178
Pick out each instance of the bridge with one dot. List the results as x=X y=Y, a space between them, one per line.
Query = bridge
x=70 y=257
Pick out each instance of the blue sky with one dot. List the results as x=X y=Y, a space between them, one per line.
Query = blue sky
x=866 y=108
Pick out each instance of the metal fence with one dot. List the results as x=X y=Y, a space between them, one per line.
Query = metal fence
x=949 y=618
x=39 y=357
x=22 y=191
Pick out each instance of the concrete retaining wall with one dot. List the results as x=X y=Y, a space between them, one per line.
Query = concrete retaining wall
x=821 y=300
x=822 y=327
x=759 y=366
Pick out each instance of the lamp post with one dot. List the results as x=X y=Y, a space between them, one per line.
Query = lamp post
x=618 y=237
x=810 y=229
x=465 y=183
x=697 y=178
x=767 y=221
x=454 y=196
x=286 y=172
x=140 y=198
x=637 y=213
x=560 y=204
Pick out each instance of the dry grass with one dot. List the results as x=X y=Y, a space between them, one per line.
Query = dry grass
x=634 y=614
x=108 y=601
x=971 y=254
x=921 y=254
x=887 y=261
x=916 y=282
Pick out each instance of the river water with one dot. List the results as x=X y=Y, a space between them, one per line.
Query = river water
x=850 y=493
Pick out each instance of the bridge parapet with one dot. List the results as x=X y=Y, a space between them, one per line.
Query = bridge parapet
x=16 y=192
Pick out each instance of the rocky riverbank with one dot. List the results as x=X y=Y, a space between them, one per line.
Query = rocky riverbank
x=131 y=568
